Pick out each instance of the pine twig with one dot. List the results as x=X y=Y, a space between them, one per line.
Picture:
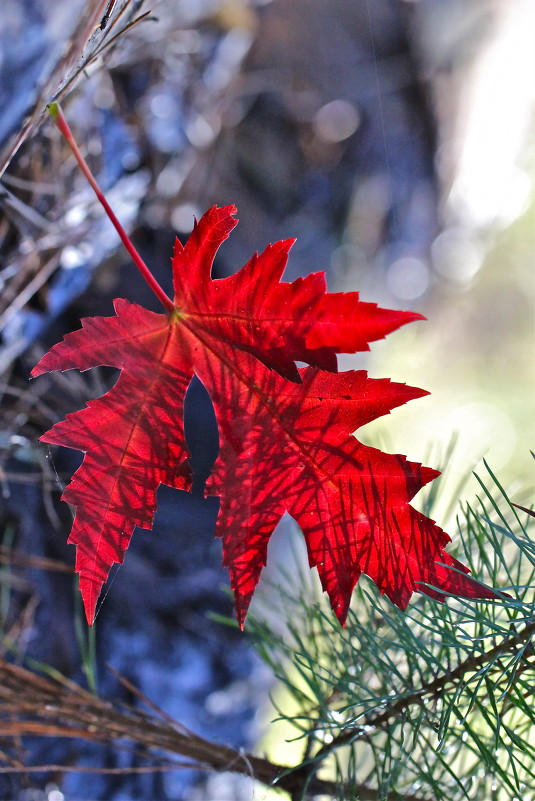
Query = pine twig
x=431 y=690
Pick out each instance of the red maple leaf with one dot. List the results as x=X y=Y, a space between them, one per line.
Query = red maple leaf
x=285 y=434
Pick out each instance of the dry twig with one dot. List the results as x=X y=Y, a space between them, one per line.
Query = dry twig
x=87 y=40
x=34 y=705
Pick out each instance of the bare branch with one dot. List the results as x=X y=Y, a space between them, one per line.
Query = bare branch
x=34 y=705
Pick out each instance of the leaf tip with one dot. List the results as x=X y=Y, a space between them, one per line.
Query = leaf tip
x=406 y=317
x=340 y=603
x=178 y=248
x=231 y=209
x=41 y=367
x=241 y=606
x=241 y=614
x=90 y=593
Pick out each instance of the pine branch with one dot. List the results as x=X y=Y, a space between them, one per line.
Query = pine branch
x=437 y=698
x=431 y=690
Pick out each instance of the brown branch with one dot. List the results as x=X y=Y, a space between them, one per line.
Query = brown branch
x=9 y=556
x=34 y=705
x=128 y=27
x=108 y=771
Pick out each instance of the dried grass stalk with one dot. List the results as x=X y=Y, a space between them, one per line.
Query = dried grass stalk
x=35 y=705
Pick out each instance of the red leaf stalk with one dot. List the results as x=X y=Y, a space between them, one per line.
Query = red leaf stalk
x=57 y=115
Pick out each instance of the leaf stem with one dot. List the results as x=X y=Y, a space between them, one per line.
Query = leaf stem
x=57 y=115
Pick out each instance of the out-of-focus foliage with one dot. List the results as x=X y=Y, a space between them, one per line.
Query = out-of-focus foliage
x=475 y=284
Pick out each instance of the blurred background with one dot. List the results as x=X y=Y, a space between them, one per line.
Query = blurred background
x=394 y=139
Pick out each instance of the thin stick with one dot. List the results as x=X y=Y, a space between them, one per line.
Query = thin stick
x=57 y=115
